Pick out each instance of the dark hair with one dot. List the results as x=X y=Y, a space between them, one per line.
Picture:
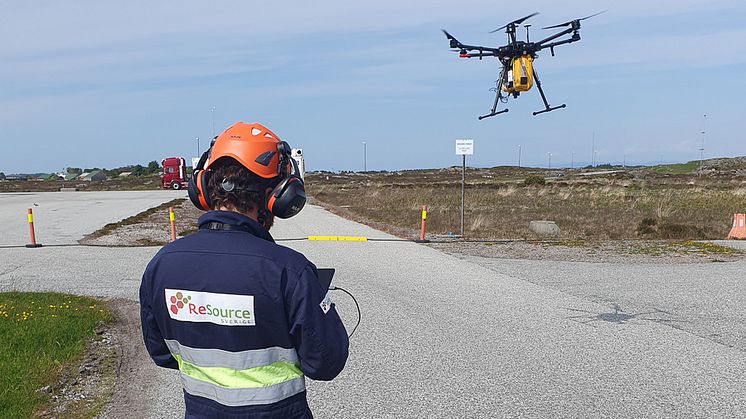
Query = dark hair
x=239 y=199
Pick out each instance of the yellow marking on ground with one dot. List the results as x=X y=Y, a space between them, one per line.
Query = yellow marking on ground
x=338 y=238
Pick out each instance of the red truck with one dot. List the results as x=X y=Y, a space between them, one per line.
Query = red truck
x=174 y=173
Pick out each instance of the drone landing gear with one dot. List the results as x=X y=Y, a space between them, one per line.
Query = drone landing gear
x=547 y=108
x=498 y=97
x=493 y=113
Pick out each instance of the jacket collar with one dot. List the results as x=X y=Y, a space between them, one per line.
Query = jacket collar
x=235 y=219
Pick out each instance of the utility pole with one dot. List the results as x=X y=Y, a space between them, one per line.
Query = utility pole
x=197 y=146
x=572 y=160
x=550 y=161
x=593 y=150
x=365 y=157
x=519 y=156
x=702 y=149
x=212 y=111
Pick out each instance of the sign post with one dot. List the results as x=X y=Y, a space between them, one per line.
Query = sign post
x=463 y=147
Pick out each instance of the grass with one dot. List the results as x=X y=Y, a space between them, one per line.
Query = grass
x=42 y=334
x=684 y=247
x=499 y=206
x=677 y=168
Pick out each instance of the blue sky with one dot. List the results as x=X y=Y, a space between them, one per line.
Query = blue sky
x=92 y=83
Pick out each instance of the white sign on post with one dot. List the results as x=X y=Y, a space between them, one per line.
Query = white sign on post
x=464 y=147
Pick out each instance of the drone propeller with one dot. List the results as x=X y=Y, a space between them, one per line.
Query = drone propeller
x=574 y=20
x=454 y=43
x=515 y=22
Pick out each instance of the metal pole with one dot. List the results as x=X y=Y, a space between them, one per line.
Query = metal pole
x=197 y=146
x=213 y=121
x=593 y=150
x=519 y=156
x=702 y=149
x=365 y=157
x=572 y=161
x=550 y=161
x=463 y=188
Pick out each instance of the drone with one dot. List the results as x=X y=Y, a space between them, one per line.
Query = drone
x=518 y=73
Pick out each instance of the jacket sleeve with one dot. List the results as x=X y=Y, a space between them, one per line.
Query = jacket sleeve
x=151 y=334
x=320 y=338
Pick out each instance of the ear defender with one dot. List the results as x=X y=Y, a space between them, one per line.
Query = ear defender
x=197 y=186
x=197 y=189
x=287 y=198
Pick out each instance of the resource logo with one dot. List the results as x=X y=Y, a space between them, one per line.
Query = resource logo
x=178 y=301
x=222 y=309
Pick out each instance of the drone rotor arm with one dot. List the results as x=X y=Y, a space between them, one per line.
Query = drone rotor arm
x=479 y=54
x=540 y=44
x=457 y=45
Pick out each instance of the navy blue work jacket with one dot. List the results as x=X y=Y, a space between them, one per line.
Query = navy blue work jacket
x=243 y=318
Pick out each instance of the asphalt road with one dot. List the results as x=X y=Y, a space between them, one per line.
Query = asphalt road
x=444 y=336
x=65 y=217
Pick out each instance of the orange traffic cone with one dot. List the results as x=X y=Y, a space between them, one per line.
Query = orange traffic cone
x=739 y=227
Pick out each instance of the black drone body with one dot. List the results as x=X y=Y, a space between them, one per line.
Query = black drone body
x=518 y=72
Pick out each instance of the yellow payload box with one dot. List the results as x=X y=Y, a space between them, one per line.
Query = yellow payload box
x=521 y=76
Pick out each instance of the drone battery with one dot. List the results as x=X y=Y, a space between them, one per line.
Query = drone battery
x=523 y=74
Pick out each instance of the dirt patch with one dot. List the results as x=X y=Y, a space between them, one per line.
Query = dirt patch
x=148 y=228
x=134 y=394
x=84 y=387
x=632 y=251
x=115 y=377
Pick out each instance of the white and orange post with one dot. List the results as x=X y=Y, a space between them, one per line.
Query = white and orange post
x=171 y=219
x=424 y=222
x=31 y=233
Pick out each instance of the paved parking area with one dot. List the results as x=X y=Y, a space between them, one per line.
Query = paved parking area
x=65 y=217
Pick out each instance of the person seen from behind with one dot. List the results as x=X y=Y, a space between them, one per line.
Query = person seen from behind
x=241 y=317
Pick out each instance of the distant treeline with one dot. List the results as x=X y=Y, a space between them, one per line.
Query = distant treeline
x=151 y=168
x=134 y=170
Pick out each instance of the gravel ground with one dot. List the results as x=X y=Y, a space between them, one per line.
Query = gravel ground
x=625 y=252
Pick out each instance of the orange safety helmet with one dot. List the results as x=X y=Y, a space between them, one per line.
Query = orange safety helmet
x=260 y=151
x=252 y=145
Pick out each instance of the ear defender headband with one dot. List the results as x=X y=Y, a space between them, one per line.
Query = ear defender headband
x=287 y=198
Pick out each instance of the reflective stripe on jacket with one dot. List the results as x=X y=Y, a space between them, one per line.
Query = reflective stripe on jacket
x=259 y=376
x=240 y=317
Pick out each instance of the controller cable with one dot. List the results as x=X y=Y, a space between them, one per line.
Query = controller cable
x=359 y=315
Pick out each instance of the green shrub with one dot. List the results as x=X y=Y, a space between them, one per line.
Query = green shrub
x=534 y=180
